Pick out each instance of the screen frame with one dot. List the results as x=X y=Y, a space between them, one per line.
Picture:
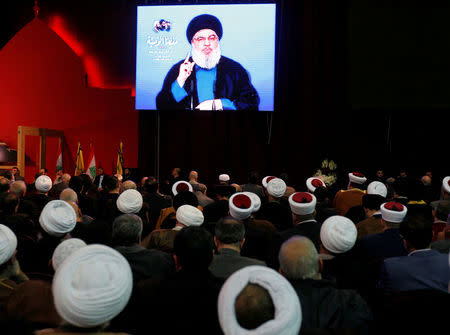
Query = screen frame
x=275 y=49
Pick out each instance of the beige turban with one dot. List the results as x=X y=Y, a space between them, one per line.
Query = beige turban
x=302 y=203
x=65 y=249
x=129 y=202
x=393 y=212
x=224 y=177
x=8 y=243
x=241 y=206
x=338 y=234
x=377 y=187
x=255 y=200
x=189 y=216
x=288 y=313
x=58 y=218
x=276 y=187
x=181 y=186
x=43 y=183
x=313 y=182
x=92 y=286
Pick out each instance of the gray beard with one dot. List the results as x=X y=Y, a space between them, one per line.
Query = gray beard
x=206 y=61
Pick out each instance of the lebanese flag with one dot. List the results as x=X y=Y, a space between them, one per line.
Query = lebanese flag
x=59 y=162
x=92 y=168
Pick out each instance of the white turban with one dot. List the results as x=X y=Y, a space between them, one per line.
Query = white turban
x=446 y=184
x=241 y=206
x=377 y=187
x=393 y=212
x=288 y=312
x=224 y=177
x=43 y=183
x=338 y=234
x=58 y=218
x=181 y=186
x=8 y=243
x=313 y=182
x=302 y=203
x=276 y=187
x=65 y=249
x=356 y=177
x=266 y=179
x=256 y=201
x=189 y=216
x=92 y=286
x=129 y=201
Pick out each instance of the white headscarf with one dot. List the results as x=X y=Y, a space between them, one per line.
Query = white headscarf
x=276 y=187
x=92 y=286
x=189 y=216
x=8 y=243
x=446 y=184
x=256 y=201
x=313 y=182
x=181 y=184
x=240 y=205
x=43 y=183
x=377 y=187
x=288 y=313
x=302 y=203
x=338 y=234
x=65 y=249
x=393 y=211
x=58 y=218
x=129 y=201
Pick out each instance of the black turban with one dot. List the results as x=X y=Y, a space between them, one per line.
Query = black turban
x=204 y=21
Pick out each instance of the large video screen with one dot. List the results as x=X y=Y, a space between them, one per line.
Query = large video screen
x=206 y=57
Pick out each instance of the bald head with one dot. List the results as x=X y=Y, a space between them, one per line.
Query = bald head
x=128 y=185
x=65 y=178
x=19 y=188
x=69 y=195
x=254 y=306
x=299 y=259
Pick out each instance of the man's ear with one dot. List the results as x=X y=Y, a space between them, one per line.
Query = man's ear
x=177 y=262
x=320 y=265
x=242 y=243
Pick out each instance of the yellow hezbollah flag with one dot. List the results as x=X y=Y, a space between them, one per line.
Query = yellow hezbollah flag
x=79 y=168
x=120 y=160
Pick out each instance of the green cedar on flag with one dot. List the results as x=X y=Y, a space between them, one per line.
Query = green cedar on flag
x=120 y=160
x=92 y=167
x=79 y=167
x=59 y=165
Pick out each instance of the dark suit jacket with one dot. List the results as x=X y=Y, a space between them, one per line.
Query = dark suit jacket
x=421 y=269
x=309 y=229
x=389 y=243
x=228 y=261
x=325 y=307
x=146 y=263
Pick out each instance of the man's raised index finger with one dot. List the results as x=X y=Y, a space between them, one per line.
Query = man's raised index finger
x=187 y=57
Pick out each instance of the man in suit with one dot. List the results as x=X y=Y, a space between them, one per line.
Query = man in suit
x=98 y=181
x=422 y=268
x=303 y=205
x=229 y=239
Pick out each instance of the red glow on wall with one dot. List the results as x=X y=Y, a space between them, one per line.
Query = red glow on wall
x=95 y=77
x=91 y=65
x=59 y=26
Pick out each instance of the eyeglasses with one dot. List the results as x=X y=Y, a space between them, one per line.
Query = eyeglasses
x=202 y=39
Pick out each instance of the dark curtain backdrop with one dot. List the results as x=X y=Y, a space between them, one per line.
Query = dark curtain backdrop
x=313 y=119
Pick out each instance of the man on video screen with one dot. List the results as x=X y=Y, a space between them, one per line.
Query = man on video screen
x=207 y=80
